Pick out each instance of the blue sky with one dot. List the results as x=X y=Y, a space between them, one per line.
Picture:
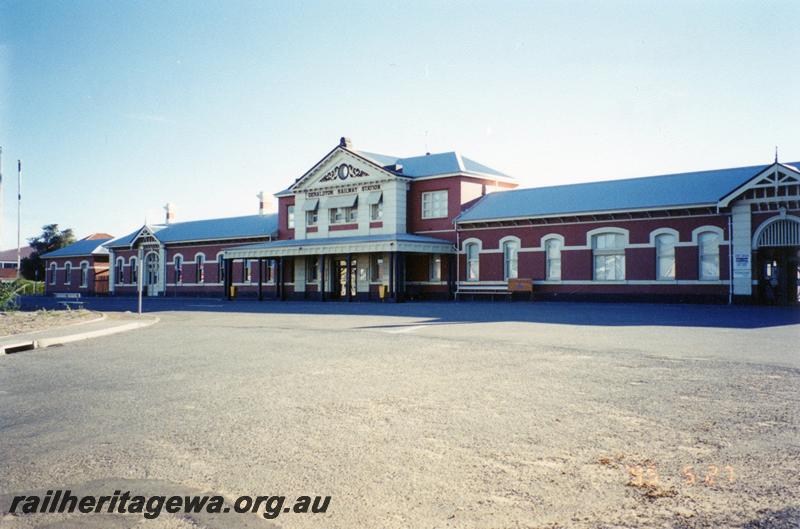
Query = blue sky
x=119 y=107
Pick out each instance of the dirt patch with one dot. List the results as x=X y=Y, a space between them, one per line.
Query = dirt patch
x=19 y=322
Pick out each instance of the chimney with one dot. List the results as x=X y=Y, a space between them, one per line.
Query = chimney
x=346 y=143
x=170 y=209
x=263 y=203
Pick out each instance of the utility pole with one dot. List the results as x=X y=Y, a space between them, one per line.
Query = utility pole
x=19 y=215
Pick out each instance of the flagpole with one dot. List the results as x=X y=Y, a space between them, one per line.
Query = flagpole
x=19 y=215
x=1 y=197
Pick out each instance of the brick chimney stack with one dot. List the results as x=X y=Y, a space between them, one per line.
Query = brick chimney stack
x=170 y=209
x=263 y=203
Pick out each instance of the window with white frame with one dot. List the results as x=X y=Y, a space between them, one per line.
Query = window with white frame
x=665 y=256
x=220 y=268
x=708 y=252
x=199 y=268
x=248 y=271
x=120 y=271
x=609 y=256
x=377 y=267
x=510 y=259
x=84 y=275
x=269 y=271
x=343 y=215
x=53 y=273
x=67 y=273
x=178 y=269
x=134 y=265
x=434 y=204
x=552 y=248
x=376 y=211
x=435 y=268
x=473 y=261
x=312 y=269
x=290 y=217
x=312 y=217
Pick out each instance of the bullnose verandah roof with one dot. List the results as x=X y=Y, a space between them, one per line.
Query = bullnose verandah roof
x=395 y=242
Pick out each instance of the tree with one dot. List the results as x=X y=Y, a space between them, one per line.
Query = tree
x=50 y=240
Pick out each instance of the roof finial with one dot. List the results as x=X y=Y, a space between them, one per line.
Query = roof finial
x=776 y=154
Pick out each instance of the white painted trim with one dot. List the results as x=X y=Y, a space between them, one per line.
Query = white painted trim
x=764 y=225
x=716 y=229
x=663 y=231
x=752 y=182
x=479 y=242
x=609 y=229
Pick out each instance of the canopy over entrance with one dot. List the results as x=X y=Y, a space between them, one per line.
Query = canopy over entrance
x=396 y=242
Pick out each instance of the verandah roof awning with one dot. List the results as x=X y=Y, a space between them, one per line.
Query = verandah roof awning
x=341 y=201
x=400 y=242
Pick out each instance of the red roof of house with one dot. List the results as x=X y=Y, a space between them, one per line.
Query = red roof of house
x=11 y=255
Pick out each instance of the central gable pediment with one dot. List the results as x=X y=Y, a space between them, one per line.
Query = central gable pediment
x=342 y=168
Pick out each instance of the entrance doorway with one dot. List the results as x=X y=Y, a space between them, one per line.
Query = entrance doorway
x=340 y=279
x=779 y=281
x=151 y=274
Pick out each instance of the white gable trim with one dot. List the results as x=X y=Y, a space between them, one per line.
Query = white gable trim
x=756 y=180
x=302 y=182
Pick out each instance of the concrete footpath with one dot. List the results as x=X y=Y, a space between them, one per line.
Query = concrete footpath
x=108 y=324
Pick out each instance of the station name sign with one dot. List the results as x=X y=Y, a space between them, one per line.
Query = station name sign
x=346 y=190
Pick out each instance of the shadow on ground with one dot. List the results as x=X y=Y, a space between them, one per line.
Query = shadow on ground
x=569 y=313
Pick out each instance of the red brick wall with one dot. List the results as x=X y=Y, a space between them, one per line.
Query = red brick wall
x=283 y=213
x=96 y=264
x=577 y=264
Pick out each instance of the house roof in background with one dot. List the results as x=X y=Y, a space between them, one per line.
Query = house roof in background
x=443 y=163
x=11 y=255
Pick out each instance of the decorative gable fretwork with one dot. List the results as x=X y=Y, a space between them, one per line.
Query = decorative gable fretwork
x=775 y=188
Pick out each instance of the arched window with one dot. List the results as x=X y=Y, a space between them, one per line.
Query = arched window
x=199 y=265
x=84 y=274
x=708 y=252
x=473 y=261
x=665 y=256
x=609 y=256
x=53 y=273
x=220 y=268
x=67 y=273
x=552 y=248
x=134 y=264
x=120 y=269
x=510 y=259
x=178 y=269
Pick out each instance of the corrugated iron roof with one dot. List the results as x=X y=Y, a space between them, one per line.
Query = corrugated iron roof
x=318 y=241
x=683 y=189
x=84 y=247
x=432 y=164
x=208 y=230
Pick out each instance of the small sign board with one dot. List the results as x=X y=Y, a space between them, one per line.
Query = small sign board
x=741 y=261
x=520 y=285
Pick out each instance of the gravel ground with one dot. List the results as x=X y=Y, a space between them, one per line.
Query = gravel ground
x=408 y=421
x=18 y=322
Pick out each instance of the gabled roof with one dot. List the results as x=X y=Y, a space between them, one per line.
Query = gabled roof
x=207 y=230
x=653 y=192
x=443 y=163
x=82 y=248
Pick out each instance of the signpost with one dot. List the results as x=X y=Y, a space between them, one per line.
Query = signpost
x=140 y=276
